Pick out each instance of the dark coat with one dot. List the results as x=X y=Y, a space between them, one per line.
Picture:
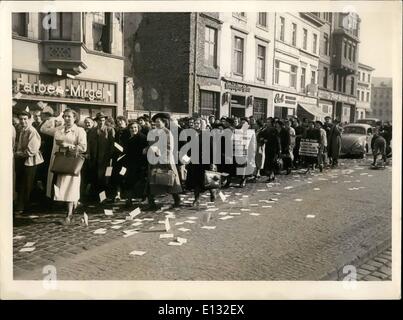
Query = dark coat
x=136 y=164
x=334 y=142
x=272 y=148
x=100 y=149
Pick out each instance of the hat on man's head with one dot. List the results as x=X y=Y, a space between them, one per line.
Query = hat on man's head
x=100 y=115
x=161 y=115
x=245 y=119
x=328 y=117
x=47 y=110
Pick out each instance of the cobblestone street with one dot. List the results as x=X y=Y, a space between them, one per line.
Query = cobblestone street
x=301 y=227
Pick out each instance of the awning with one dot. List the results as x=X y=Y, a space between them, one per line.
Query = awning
x=310 y=111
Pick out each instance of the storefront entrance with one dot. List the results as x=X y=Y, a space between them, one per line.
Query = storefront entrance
x=283 y=112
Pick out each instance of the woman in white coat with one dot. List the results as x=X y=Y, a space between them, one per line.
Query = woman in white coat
x=67 y=137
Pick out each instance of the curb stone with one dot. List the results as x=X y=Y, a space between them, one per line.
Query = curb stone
x=337 y=273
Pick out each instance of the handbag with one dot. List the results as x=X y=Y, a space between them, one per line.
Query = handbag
x=212 y=180
x=68 y=163
x=162 y=177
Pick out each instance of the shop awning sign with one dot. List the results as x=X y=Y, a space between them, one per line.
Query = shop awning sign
x=40 y=88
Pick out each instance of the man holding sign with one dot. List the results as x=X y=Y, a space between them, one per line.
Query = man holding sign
x=309 y=146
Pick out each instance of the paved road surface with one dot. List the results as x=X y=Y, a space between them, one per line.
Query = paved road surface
x=281 y=243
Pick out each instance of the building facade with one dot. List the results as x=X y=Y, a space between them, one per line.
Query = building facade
x=381 y=99
x=68 y=60
x=296 y=65
x=339 y=64
x=364 y=79
x=218 y=63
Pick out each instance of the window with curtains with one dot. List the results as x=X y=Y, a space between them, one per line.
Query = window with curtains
x=326 y=44
x=362 y=95
x=238 y=55
x=285 y=74
x=208 y=103
x=313 y=77
x=367 y=96
x=102 y=31
x=352 y=86
x=358 y=94
x=305 y=40
x=210 y=47
x=282 y=28
x=314 y=42
x=345 y=49
x=64 y=25
x=261 y=62
x=303 y=81
x=262 y=19
x=20 y=24
x=350 y=52
x=294 y=34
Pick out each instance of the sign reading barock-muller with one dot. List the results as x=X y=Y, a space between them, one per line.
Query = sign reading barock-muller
x=39 y=85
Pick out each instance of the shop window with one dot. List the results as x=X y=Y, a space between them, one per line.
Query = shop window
x=102 y=31
x=20 y=24
x=305 y=40
x=238 y=55
x=64 y=25
x=282 y=28
x=259 y=108
x=208 y=103
x=210 y=47
x=262 y=19
x=261 y=62
x=294 y=34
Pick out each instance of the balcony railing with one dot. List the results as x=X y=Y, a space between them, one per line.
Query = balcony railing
x=64 y=55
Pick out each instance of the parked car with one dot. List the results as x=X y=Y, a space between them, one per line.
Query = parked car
x=371 y=121
x=356 y=139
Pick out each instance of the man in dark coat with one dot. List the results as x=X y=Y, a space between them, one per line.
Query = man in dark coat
x=100 y=141
x=334 y=142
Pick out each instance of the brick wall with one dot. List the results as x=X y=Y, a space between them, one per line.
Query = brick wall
x=158 y=46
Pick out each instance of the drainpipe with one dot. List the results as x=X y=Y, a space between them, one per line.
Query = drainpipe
x=195 y=62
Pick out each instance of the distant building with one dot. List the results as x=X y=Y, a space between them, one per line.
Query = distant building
x=75 y=63
x=339 y=64
x=381 y=98
x=363 y=91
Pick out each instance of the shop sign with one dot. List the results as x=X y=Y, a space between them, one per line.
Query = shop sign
x=237 y=87
x=39 y=88
x=284 y=99
x=336 y=97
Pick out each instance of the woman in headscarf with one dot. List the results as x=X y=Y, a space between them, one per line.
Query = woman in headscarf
x=135 y=162
x=166 y=161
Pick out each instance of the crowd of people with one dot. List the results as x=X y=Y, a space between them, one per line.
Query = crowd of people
x=116 y=164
